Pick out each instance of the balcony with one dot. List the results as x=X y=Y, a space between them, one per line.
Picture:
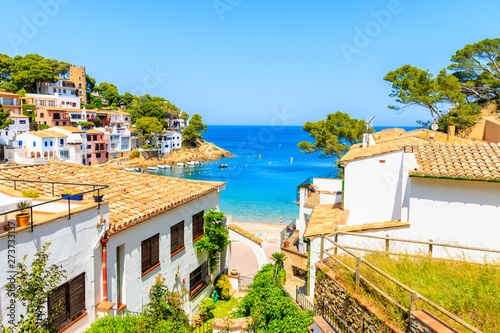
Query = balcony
x=44 y=208
x=319 y=191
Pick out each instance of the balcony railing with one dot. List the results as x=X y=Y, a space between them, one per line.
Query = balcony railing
x=95 y=187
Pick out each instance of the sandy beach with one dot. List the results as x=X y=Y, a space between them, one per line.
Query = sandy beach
x=242 y=257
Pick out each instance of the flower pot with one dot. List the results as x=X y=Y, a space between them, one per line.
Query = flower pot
x=234 y=271
x=6 y=227
x=75 y=197
x=203 y=317
x=23 y=219
x=98 y=198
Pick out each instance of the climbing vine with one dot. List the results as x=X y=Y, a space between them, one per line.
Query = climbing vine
x=215 y=239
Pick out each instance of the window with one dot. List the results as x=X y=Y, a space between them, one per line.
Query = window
x=59 y=90
x=52 y=103
x=67 y=302
x=79 y=85
x=41 y=115
x=45 y=123
x=197 y=279
x=34 y=144
x=46 y=144
x=64 y=91
x=96 y=146
x=176 y=238
x=20 y=143
x=150 y=252
x=54 y=90
x=61 y=142
x=51 y=143
x=89 y=138
x=298 y=272
x=74 y=105
x=56 y=116
x=22 y=122
x=41 y=103
x=89 y=146
x=95 y=137
x=64 y=153
x=57 y=123
x=197 y=225
x=98 y=155
x=89 y=155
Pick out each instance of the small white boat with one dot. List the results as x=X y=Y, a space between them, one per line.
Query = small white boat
x=192 y=164
x=180 y=164
x=130 y=169
x=164 y=166
x=152 y=168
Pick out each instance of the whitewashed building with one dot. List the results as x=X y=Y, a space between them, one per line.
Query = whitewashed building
x=21 y=124
x=55 y=100
x=420 y=185
x=151 y=227
x=169 y=141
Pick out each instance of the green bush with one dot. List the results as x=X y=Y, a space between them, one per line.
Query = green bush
x=223 y=285
x=137 y=323
x=206 y=307
x=30 y=194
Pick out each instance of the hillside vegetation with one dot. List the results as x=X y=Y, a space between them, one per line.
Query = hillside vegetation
x=470 y=291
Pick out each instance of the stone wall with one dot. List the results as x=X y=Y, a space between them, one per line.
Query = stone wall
x=348 y=307
x=294 y=259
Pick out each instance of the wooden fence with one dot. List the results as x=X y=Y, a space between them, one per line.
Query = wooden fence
x=413 y=295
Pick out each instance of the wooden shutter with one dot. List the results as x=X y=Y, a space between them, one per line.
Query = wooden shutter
x=155 y=250
x=58 y=307
x=77 y=297
x=146 y=254
x=173 y=238
x=197 y=225
x=180 y=238
x=204 y=271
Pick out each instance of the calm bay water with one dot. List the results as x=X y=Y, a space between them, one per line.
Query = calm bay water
x=263 y=176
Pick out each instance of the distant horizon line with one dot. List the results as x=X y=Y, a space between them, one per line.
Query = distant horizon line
x=398 y=126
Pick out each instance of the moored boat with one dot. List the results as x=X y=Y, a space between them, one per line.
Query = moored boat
x=180 y=164
x=152 y=168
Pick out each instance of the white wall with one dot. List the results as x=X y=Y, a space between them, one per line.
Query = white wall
x=71 y=242
x=136 y=287
x=374 y=191
x=326 y=184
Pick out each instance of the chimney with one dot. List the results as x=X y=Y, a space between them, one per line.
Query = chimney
x=368 y=140
x=451 y=130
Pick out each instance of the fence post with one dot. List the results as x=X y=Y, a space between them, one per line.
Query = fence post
x=322 y=249
x=358 y=262
x=336 y=239
x=53 y=189
x=430 y=247
x=413 y=304
x=387 y=243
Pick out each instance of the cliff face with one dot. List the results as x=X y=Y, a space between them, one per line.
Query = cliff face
x=203 y=151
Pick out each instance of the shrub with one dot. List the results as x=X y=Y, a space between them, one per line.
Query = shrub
x=134 y=154
x=223 y=285
x=137 y=323
x=30 y=194
x=206 y=307
x=70 y=192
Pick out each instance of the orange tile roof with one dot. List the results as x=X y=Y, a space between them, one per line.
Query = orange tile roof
x=71 y=129
x=245 y=233
x=473 y=161
x=133 y=197
x=324 y=219
x=55 y=134
x=41 y=134
x=14 y=115
x=4 y=93
x=374 y=226
x=93 y=131
x=396 y=141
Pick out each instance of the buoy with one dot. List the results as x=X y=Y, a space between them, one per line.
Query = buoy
x=259 y=156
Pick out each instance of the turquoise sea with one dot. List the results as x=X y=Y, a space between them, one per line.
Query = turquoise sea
x=263 y=176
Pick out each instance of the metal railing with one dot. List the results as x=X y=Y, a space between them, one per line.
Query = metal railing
x=304 y=303
x=245 y=281
x=334 y=320
x=414 y=296
x=286 y=233
x=95 y=187
x=367 y=328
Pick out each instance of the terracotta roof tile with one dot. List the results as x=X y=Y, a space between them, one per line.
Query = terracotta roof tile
x=475 y=161
x=71 y=129
x=130 y=201
x=324 y=219
x=14 y=115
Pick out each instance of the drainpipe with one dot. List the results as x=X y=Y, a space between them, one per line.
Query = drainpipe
x=340 y=166
x=104 y=270
x=92 y=272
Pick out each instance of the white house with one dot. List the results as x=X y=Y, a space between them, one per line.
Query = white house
x=169 y=141
x=21 y=124
x=76 y=142
x=152 y=228
x=420 y=185
x=54 y=100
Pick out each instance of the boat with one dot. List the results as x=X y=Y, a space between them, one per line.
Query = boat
x=180 y=164
x=137 y=169
x=152 y=168
x=130 y=169
x=193 y=163
x=222 y=166
x=164 y=166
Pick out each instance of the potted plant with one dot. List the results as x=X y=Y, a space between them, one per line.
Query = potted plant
x=234 y=271
x=74 y=195
x=206 y=307
x=97 y=197
x=23 y=218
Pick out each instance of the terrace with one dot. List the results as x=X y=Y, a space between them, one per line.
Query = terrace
x=42 y=209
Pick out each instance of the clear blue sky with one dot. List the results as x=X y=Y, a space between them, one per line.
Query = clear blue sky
x=235 y=61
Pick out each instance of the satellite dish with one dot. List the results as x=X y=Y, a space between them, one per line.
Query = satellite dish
x=434 y=127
